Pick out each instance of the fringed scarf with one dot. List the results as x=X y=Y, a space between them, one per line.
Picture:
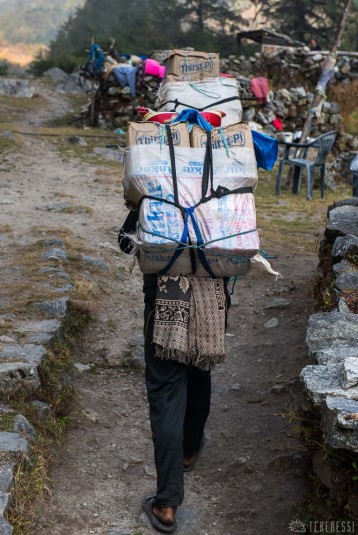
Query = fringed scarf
x=189 y=320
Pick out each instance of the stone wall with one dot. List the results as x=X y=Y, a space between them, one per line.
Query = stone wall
x=331 y=380
x=293 y=72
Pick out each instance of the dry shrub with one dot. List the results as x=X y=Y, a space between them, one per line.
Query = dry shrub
x=347 y=97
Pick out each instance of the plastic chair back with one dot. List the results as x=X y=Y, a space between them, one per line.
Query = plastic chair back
x=324 y=143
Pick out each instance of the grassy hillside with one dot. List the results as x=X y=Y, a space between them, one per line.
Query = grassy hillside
x=34 y=21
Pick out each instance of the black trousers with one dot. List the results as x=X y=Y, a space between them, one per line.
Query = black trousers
x=179 y=405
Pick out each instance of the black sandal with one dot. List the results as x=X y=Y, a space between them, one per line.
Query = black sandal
x=157 y=524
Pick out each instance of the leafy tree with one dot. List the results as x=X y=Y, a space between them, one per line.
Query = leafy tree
x=304 y=19
x=139 y=26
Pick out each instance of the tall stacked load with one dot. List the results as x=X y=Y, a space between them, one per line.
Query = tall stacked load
x=193 y=81
x=193 y=186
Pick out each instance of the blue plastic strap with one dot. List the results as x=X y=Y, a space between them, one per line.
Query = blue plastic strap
x=200 y=243
x=183 y=240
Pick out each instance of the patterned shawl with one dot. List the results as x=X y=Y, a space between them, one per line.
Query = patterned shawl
x=189 y=320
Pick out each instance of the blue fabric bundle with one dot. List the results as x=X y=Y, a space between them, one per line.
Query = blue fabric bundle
x=266 y=149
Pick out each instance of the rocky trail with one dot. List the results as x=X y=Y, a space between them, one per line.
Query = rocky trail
x=251 y=478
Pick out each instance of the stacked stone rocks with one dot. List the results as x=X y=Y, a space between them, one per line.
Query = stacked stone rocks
x=291 y=70
x=331 y=381
x=289 y=64
x=23 y=348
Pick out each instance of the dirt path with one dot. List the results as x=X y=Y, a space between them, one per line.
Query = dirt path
x=252 y=472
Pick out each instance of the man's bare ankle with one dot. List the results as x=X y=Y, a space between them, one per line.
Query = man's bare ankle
x=165 y=514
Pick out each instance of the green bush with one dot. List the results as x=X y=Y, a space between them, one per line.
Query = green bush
x=4 y=68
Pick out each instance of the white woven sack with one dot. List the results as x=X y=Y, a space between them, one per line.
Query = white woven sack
x=208 y=94
x=147 y=171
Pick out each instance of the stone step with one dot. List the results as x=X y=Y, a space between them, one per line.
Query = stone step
x=331 y=329
x=27 y=352
x=13 y=442
x=18 y=375
x=322 y=381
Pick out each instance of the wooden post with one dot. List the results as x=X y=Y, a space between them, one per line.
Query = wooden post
x=326 y=74
x=93 y=97
x=93 y=103
x=320 y=90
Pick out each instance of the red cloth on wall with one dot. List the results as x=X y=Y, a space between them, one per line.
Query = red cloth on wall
x=260 y=88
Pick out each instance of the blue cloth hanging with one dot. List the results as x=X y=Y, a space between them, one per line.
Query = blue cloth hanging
x=192 y=117
x=96 y=57
x=266 y=149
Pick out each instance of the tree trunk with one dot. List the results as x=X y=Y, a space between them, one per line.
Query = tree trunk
x=326 y=74
x=320 y=90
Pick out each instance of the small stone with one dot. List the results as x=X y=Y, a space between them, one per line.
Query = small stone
x=18 y=376
x=5 y=527
x=150 y=470
x=43 y=339
x=13 y=442
x=347 y=282
x=53 y=243
x=21 y=424
x=55 y=254
x=7 y=317
x=77 y=140
x=236 y=386
x=271 y=324
x=44 y=410
x=342 y=221
x=342 y=267
x=81 y=367
x=6 y=408
x=4 y=502
x=137 y=340
x=6 y=477
x=54 y=309
x=56 y=74
x=278 y=388
x=27 y=352
x=277 y=302
x=45 y=326
x=340 y=422
x=327 y=330
x=113 y=358
x=349 y=372
x=92 y=416
x=95 y=262
x=345 y=245
x=342 y=305
x=334 y=355
x=7 y=340
x=322 y=381
x=57 y=272
x=138 y=352
x=63 y=289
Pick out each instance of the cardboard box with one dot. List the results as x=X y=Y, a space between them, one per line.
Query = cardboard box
x=184 y=65
x=148 y=133
x=237 y=135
